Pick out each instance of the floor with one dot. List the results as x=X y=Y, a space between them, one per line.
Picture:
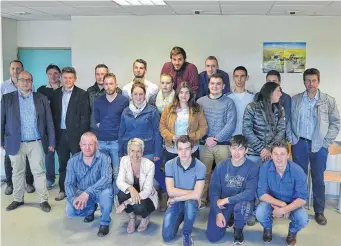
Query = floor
x=29 y=226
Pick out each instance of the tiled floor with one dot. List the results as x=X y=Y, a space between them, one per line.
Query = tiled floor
x=29 y=226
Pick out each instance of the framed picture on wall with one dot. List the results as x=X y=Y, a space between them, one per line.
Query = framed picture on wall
x=285 y=57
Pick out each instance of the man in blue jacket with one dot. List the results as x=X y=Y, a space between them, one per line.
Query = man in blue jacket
x=232 y=189
x=211 y=67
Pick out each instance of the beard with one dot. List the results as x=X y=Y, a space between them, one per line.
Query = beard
x=139 y=76
x=110 y=92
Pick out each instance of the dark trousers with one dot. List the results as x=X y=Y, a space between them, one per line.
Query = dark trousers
x=145 y=208
x=9 y=169
x=169 y=156
x=63 y=151
x=50 y=166
x=302 y=155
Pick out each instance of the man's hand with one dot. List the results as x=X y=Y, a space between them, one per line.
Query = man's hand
x=51 y=148
x=170 y=201
x=156 y=158
x=175 y=138
x=220 y=220
x=81 y=200
x=120 y=208
x=278 y=212
x=135 y=196
x=211 y=141
x=265 y=154
x=221 y=203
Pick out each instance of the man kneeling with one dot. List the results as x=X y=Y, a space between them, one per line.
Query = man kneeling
x=232 y=190
x=88 y=182
x=282 y=191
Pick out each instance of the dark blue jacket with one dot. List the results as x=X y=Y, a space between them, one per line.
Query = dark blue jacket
x=203 y=83
x=145 y=126
x=11 y=124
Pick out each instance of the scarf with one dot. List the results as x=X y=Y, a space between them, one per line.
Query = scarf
x=136 y=111
x=161 y=102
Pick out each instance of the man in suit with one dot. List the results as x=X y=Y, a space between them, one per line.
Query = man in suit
x=71 y=116
x=27 y=131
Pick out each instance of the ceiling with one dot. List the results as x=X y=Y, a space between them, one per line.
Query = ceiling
x=63 y=10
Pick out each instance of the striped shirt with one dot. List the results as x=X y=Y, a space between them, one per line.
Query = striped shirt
x=28 y=118
x=92 y=179
x=65 y=104
x=308 y=117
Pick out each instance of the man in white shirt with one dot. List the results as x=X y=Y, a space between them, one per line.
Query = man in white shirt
x=140 y=69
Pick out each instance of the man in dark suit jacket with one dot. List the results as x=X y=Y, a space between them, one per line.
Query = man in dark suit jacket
x=71 y=116
x=27 y=131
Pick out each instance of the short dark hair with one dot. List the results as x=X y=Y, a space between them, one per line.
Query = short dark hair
x=311 y=71
x=69 y=70
x=184 y=139
x=141 y=61
x=240 y=68
x=239 y=140
x=52 y=66
x=213 y=58
x=216 y=76
x=274 y=73
x=17 y=61
x=101 y=66
x=279 y=144
x=178 y=50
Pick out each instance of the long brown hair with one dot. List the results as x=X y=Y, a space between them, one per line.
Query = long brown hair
x=193 y=106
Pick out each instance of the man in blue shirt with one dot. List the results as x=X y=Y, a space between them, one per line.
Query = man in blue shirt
x=282 y=190
x=88 y=182
x=185 y=180
x=232 y=188
x=107 y=113
x=211 y=67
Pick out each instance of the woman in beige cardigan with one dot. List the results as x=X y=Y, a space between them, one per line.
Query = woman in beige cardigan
x=183 y=117
x=137 y=195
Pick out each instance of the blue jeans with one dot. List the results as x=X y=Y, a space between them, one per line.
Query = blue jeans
x=241 y=212
x=302 y=155
x=111 y=149
x=176 y=214
x=105 y=200
x=50 y=166
x=299 y=217
x=159 y=175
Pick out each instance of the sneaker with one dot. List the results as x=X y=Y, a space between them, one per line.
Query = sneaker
x=187 y=240
x=30 y=188
x=320 y=219
x=291 y=238
x=252 y=220
x=50 y=184
x=9 y=190
x=238 y=236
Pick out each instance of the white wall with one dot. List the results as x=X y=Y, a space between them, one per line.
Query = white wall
x=44 y=34
x=9 y=44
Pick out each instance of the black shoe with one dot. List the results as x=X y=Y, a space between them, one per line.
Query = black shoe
x=103 y=230
x=291 y=238
x=238 y=237
x=267 y=236
x=45 y=206
x=9 y=190
x=30 y=188
x=90 y=217
x=230 y=222
x=320 y=219
x=14 y=205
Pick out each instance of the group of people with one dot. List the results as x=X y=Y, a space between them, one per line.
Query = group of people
x=119 y=141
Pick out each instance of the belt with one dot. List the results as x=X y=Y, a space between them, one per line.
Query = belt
x=306 y=139
x=30 y=141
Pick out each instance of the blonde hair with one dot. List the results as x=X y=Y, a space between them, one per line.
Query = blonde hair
x=136 y=141
x=89 y=134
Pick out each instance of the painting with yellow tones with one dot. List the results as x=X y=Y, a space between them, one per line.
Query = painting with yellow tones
x=285 y=57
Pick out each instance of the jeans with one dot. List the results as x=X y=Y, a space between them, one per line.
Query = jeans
x=177 y=213
x=111 y=149
x=208 y=155
x=159 y=175
x=241 y=212
x=299 y=217
x=302 y=155
x=50 y=166
x=105 y=200
x=145 y=208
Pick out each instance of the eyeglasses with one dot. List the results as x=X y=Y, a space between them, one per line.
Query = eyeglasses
x=26 y=80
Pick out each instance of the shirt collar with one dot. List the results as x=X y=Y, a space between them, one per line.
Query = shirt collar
x=96 y=156
x=22 y=96
x=178 y=162
x=316 y=98
x=69 y=90
x=273 y=167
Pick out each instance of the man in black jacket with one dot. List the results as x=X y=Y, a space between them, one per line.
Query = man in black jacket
x=71 y=117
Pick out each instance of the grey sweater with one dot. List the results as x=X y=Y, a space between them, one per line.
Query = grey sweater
x=221 y=117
